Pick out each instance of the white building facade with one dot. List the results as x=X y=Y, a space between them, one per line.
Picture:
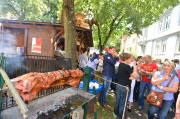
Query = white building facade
x=161 y=40
x=129 y=44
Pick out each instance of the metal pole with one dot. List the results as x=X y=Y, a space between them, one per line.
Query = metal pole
x=86 y=80
x=2 y=65
x=95 y=110
x=127 y=88
x=127 y=92
x=19 y=101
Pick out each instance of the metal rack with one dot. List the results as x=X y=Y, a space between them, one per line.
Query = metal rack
x=12 y=103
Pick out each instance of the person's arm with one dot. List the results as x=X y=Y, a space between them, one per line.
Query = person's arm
x=157 y=81
x=142 y=72
x=110 y=60
x=96 y=61
x=86 y=59
x=150 y=73
x=134 y=74
x=155 y=68
x=172 y=89
x=79 y=59
x=177 y=116
x=178 y=104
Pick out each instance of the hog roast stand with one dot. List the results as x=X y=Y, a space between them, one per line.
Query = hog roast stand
x=46 y=102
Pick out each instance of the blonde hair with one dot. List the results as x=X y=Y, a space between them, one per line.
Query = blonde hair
x=167 y=62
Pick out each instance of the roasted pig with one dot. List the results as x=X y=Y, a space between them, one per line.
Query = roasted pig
x=30 y=84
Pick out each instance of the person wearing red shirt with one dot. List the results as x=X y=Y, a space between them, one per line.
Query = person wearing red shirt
x=146 y=72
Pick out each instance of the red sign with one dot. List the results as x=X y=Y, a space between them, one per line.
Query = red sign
x=36 y=45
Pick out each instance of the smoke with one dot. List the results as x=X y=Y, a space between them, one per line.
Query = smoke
x=14 y=60
x=7 y=43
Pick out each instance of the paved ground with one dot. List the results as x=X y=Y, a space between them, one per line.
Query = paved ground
x=142 y=114
x=134 y=114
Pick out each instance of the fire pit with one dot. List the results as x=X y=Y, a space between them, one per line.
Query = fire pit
x=54 y=102
x=55 y=105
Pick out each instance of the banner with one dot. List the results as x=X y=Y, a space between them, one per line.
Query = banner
x=36 y=45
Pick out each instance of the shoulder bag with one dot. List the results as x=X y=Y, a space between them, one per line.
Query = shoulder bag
x=156 y=98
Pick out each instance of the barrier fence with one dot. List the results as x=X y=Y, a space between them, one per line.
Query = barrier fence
x=135 y=113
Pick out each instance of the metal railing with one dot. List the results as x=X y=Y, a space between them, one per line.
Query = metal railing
x=116 y=85
x=17 y=65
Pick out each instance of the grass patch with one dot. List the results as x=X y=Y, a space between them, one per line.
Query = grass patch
x=106 y=113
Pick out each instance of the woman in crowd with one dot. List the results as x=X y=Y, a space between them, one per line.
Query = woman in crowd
x=140 y=61
x=125 y=75
x=132 y=87
x=92 y=64
x=177 y=115
x=160 y=80
x=100 y=65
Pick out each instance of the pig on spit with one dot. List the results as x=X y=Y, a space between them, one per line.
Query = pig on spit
x=30 y=84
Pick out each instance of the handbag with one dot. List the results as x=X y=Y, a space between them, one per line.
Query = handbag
x=156 y=98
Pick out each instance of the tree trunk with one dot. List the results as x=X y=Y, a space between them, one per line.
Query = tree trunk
x=101 y=47
x=70 y=32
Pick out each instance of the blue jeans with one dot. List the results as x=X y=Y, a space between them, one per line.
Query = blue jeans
x=120 y=101
x=143 y=86
x=105 y=89
x=162 y=112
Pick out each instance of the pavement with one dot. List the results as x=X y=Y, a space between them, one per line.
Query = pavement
x=142 y=114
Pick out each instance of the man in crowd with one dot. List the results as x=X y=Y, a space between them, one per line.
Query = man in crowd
x=83 y=59
x=146 y=72
x=177 y=68
x=110 y=59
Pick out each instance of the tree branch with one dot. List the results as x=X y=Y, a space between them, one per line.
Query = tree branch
x=112 y=28
x=12 y=7
x=99 y=35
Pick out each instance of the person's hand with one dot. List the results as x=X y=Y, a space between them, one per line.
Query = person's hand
x=127 y=88
x=131 y=78
x=115 y=54
x=133 y=75
x=177 y=116
x=149 y=73
x=166 y=77
x=134 y=64
x=158 y=86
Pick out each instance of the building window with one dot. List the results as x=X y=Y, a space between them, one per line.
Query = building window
x=164 y=23
x=164 y=46
x=167 y=22
x=178 y=44
x=179 y=47
x=160 y=47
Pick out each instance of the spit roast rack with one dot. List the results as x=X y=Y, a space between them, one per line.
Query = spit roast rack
x=46 y=101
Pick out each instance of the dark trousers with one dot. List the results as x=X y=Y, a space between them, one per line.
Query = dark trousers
x=114 y=79
x=136 y=90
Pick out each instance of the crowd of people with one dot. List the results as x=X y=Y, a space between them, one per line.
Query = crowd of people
x=133 y=78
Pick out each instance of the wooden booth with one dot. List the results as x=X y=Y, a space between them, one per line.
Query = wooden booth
x=37 y=38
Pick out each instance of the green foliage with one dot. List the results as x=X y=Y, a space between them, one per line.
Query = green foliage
x=118 y=17
x=31 y=10
x=115 y=18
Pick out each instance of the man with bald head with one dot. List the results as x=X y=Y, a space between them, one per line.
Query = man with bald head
x=146 y=72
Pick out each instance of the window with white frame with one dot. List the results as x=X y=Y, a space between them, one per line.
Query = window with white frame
x=158 y=50
x=163 y=46
x=178 y=44
x=164 y=23
x=160 y=46
x=167 y=22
